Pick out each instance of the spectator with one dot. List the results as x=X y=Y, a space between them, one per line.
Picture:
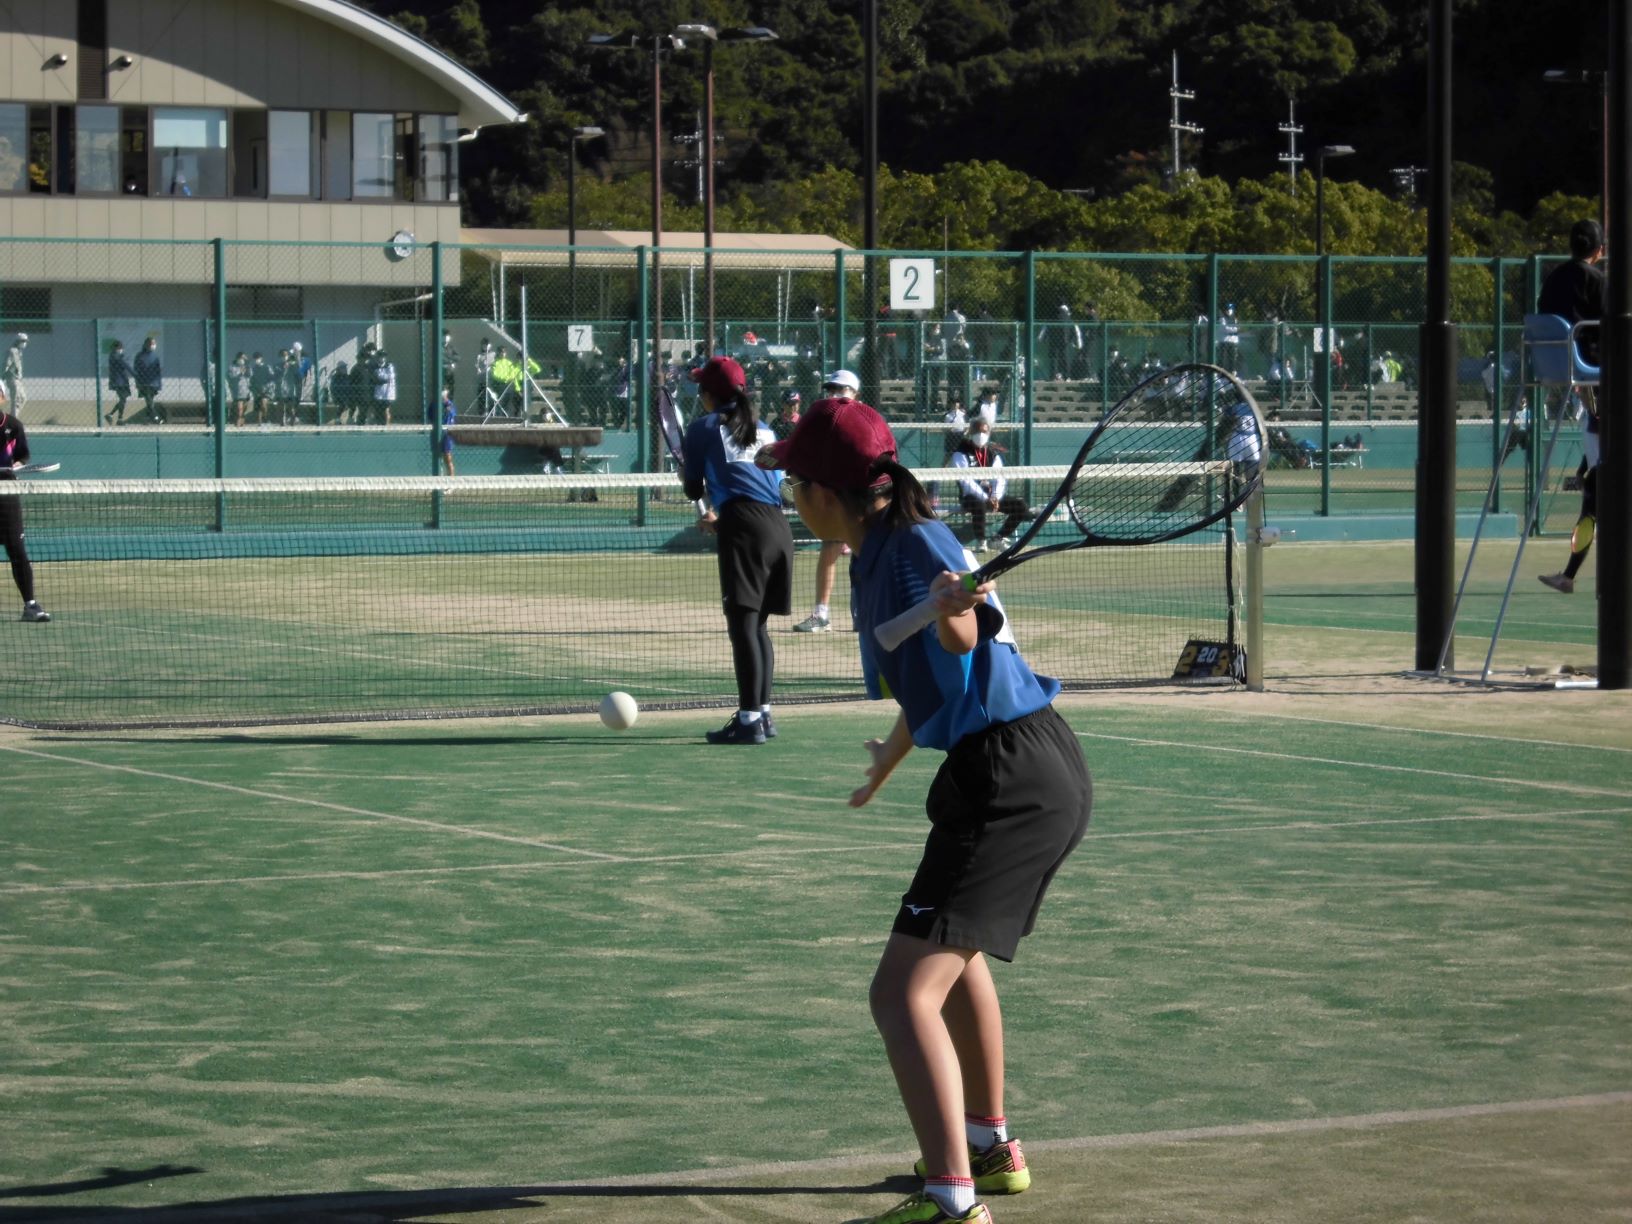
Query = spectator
x=206 y=377
x=450 y=362
x=12 y=373
x=263 y=385
x=980 y=495
x=119 y=374
x=289 y=382
x=787 y=415
x=1229 y=340
x=486 y=396
x=150 y=379
x=385 y=386
x=238 y=385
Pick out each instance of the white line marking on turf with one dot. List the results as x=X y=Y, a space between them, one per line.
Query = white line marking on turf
x=1242 y=1130
x=438 y=825
x=635 y=860
x=1480 y=735
x=1190 y=746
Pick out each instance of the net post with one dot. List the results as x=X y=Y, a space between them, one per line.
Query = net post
x=1255 y=591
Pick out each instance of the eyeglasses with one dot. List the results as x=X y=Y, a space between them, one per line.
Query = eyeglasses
x=794 y=483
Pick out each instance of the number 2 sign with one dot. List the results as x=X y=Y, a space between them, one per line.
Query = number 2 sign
x=912 y=284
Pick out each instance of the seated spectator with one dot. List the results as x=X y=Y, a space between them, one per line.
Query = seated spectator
x=987 y=492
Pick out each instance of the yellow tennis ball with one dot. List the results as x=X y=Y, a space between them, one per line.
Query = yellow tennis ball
x=619 y=711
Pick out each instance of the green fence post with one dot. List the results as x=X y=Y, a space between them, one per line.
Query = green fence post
x=841 y=309
x=436 y=380
x=219 y=248
x=317 y=370
x=1371 y=352
x=1030 y=349
x=1211 y=340
x=96 y=367
x=642 y=380
x=1323 y=363
x=1539 y=426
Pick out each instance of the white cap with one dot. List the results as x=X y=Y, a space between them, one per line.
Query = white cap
x=22 y=335
x=842 y=378
x=295 y=347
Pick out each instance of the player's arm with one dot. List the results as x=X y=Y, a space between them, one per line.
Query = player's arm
x=956 y=625
x=886 y=754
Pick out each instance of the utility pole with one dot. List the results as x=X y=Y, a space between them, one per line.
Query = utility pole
x=694 y=140
x=1175 y=124
x=1292 y=157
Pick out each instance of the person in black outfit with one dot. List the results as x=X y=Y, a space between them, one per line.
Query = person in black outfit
x=14 y=450
x=119 y=375
x=1575 y=291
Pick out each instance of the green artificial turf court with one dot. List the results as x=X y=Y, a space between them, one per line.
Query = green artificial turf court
x=1354 y=949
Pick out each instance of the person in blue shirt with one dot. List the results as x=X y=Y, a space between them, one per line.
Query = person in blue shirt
x=743 y=509
x=1010 y=802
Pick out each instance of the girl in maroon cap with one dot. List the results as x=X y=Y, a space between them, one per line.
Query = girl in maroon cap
x=744 y=510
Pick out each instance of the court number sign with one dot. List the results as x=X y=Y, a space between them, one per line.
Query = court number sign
x=1203 y=659
x=912 y=284
x=580 y=338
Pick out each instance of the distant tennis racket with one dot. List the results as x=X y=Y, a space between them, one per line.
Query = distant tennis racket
x=35 y=469
x=1171 y=457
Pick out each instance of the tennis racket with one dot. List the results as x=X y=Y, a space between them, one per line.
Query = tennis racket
x=1170 y=458
x=668 y=419
x=35 y=469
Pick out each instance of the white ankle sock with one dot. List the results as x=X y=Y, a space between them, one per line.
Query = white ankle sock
x=984 y=1132
x=956 y=1195
x=747 y=716
x=821 y=611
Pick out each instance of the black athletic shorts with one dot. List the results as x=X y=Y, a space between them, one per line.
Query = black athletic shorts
x=756 y=556
x=1008 y=805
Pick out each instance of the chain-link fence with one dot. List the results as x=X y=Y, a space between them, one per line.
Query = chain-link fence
x=242 y=359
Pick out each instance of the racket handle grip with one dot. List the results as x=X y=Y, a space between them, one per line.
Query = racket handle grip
x=898 y=629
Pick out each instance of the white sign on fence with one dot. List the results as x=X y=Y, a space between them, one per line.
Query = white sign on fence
x=912 y=284
x=580 y=338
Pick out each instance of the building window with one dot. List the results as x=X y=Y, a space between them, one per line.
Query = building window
x=97 y=161
x=13 y=148
x=337 y=155
x=291 y=139
x=373 y=155
x=133 y=149
x=439 y=158
x=25 y=308
x=190 y=148
x=249 y=303
x=40 y=149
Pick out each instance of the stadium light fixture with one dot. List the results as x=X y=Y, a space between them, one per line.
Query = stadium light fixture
x=1320 y=190
x=59 y=60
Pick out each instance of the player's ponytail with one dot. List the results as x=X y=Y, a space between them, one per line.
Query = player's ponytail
x=742 y=419
x=908 y=500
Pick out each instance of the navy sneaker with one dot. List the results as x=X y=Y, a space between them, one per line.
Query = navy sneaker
x=769 y=723
x=736 y=731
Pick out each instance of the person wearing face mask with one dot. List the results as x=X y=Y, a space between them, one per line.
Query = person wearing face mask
x=982 y=494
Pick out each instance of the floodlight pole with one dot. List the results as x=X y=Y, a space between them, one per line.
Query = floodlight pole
x=579 y=133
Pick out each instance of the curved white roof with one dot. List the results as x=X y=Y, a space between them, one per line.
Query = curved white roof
x=479 y=103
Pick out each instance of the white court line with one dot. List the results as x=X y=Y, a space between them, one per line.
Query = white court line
x=1088 y=1143
x=440 y=826
x=1479 y=735
x=1565 y=787
x=774 y=851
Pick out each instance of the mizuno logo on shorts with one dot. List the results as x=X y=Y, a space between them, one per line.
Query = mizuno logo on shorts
x=915 y=910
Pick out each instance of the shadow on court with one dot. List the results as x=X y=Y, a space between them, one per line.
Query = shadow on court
x=391 y=1206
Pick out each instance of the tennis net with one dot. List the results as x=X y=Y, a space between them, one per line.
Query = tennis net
x=233 y=602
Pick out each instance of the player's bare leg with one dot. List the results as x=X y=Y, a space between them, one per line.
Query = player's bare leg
x=908 y=995
x=974 y=1021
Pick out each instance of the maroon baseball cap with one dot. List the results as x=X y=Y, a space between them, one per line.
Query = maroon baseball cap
x=721 y=377
x=835 y=443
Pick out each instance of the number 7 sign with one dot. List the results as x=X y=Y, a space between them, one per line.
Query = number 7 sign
x=912 y=284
